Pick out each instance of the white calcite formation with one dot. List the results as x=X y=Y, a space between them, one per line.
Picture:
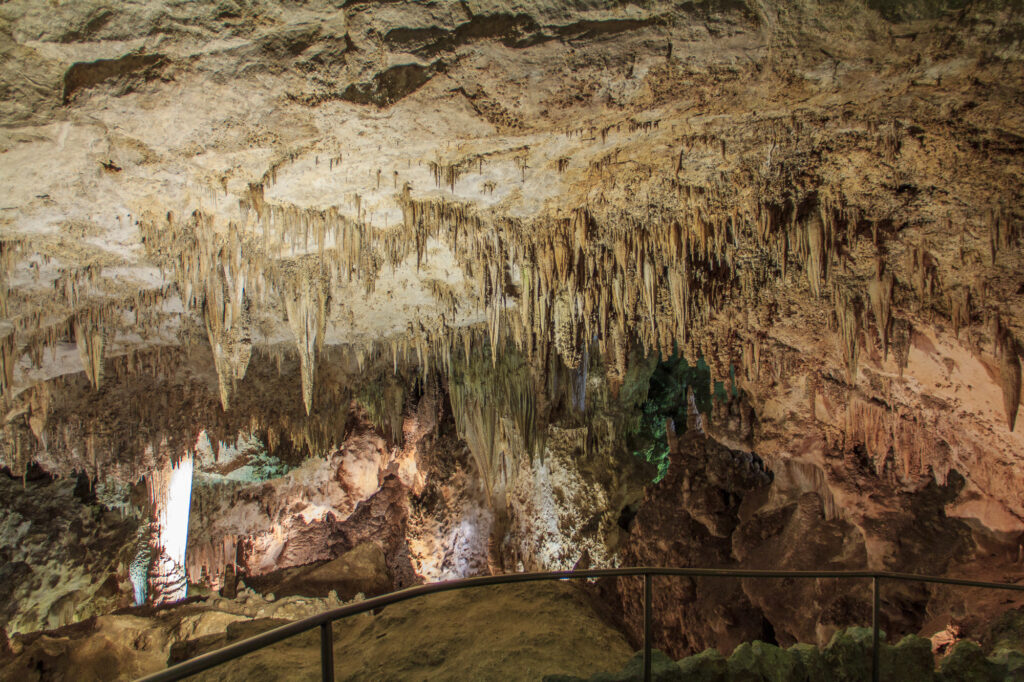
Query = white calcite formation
x=170 y=498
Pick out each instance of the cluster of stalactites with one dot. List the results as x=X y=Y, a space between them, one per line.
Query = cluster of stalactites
x=55 y=419
x=220 y=274
x=576 y=281
x=593 y=273
x=619 y=278
x=208 y=561
x=87 y=321
x=496 y=406
x=74 y=285
x=222 y=270
x=899 y=447
x=213 y=280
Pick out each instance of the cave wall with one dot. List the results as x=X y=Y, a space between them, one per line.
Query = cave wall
x=64 y=556
x=290 y=223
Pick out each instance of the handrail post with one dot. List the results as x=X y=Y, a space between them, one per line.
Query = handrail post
x=647 y=627
x=323 y=620
x=326 y=652
x=875 y=672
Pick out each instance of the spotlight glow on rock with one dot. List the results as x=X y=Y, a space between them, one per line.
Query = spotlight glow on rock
x=170 y=492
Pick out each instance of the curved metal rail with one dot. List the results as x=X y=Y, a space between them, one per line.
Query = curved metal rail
x=325 y=619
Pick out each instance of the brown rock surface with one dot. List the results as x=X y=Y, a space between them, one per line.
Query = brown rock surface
x=361 y=570
x=63 y=557
x=518 y=632
x=351 y=234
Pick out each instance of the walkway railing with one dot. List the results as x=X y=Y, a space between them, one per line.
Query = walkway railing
x=325 y=619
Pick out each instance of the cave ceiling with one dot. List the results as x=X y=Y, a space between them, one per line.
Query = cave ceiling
x=229 y=215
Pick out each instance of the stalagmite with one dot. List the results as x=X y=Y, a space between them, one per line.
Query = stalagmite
x=170 y=497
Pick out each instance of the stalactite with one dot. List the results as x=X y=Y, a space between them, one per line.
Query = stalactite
x=567 y=332
x=889 y=138
x=210 y=558
x=902 y=336
x=892 y=440
x=89 y=338
x=39 y=408
x=72 y=285
x=848 y=319
x=923 y=271
x=225 y=315
x=8 y=358
x=498 y=411
x=880 y=291
x=444 y=294
x=960 y=308
x=306 y=304
x=816 y=254
x=1009 y=373
x=383 y=402
x=10 y=250
x=1002 y=231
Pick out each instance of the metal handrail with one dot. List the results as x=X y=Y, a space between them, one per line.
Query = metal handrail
x=326 y=618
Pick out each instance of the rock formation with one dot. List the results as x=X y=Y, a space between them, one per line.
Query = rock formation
x=500 y=286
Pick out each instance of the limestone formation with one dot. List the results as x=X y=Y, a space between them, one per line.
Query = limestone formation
x=464 y=279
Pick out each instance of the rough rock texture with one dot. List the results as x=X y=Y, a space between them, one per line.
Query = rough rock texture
x=721 y=508
x=362 y=570
x=566 y=506
x=450 y=522
x=255 y=219
x=63 y=556
x=517 y=632
x=129 y=644
x=289 y=520
x=825 y=199
x=259 y=515
x=693 y=614
x=847 y=657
